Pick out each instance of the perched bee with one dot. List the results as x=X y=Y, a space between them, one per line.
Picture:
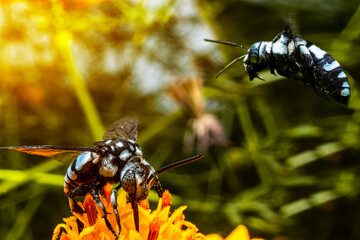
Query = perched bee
x=117 y=159
x=296 y=58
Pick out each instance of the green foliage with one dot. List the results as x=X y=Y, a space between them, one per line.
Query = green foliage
x=289 y=168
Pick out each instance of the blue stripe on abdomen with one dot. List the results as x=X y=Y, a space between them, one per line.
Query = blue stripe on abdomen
x=82 y=159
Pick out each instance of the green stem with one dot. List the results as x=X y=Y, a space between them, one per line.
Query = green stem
x=24 y=217
x=63 y=41
x=43 y=167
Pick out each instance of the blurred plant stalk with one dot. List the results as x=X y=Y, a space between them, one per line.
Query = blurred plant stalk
x=63 y=43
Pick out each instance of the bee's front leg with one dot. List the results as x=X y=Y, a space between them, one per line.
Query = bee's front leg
x=114 y=205
x=78 y=192
x=158 y=188
x=96 y=196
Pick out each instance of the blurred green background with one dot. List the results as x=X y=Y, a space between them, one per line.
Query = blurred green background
x=278 y=158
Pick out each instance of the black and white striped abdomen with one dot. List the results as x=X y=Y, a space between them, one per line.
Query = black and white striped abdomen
x=83 y=171
x=328 y=76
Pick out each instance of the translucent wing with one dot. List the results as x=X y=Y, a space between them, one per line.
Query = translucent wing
x=123 y=128
x=64 y=155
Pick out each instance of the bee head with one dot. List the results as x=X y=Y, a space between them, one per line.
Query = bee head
x=134 y=178
x=138 y=176
x=252 y=61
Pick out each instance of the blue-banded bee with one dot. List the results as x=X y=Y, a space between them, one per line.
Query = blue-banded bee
x=117 y=159
x=298 y=59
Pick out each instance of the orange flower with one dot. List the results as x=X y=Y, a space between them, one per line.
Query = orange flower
x=158 y=224
x=154 y=225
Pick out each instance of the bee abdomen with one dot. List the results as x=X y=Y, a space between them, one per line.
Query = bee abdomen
x=83 y=171
x=303 y=61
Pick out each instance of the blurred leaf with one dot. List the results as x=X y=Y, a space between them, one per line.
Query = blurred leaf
x=302 y=205
x=320 y=151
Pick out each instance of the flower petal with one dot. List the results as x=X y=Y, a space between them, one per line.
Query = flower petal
x=177 y=214
x=239 y=233
x=213 y=237
x=91 y=212
x=133 y=235
x=166 y=199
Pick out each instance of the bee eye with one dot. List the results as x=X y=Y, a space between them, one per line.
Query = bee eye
x=145 y=173
x=129 y=177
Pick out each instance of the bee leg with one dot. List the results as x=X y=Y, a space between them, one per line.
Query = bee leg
x=114 y=205
x=259 y=77
x=158 y=188
x=78 y=192
x=272 y=69
x=95 y=194
x=74 y=207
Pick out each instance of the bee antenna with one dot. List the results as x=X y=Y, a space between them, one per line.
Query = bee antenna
x=175 y=165
x=229 y=65
x=226 y=43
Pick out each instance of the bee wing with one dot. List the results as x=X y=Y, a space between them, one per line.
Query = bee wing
x=123 y=128
x=64 y=155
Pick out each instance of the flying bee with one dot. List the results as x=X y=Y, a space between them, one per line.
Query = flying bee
x=298 y=59
x=117 y=159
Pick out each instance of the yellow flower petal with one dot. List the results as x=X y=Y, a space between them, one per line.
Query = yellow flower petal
x=177 y=213
x=213 y=236
x=57 y=230
x=239 y=233
x=159 y=205
x=134 y=235
x=189 y=225
x=121 y=200
x=86 y=231
x=164 y=214
x=103 y=236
